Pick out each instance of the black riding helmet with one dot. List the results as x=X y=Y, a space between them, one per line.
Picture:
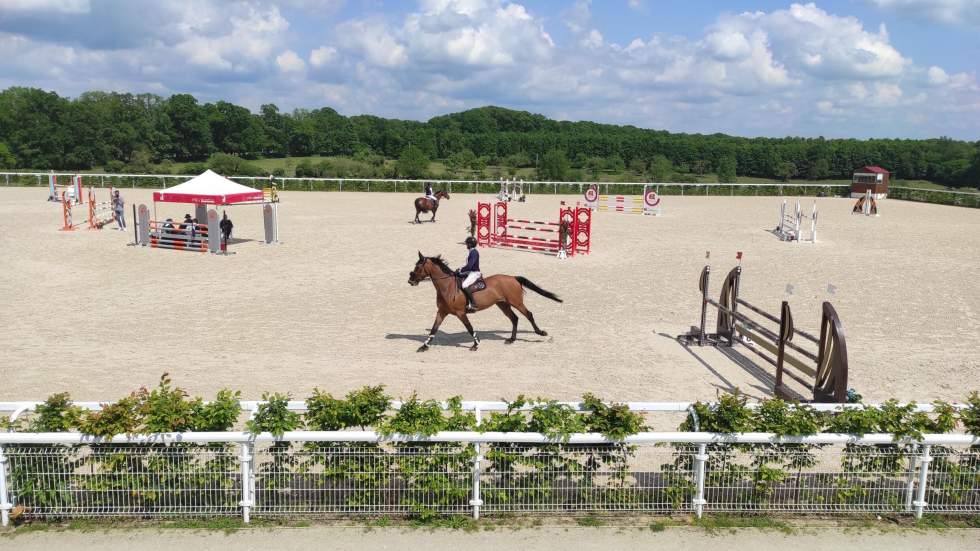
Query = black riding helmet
x=470 y=242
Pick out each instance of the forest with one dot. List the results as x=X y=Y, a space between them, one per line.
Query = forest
x=122 y=132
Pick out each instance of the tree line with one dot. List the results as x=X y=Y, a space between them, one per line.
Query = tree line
x=42 y=130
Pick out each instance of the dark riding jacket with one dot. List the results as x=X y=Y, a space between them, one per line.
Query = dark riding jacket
x=472 y=263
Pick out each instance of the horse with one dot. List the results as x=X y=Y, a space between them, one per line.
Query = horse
x=504 y=291
x=424 y=204
x=472 y=215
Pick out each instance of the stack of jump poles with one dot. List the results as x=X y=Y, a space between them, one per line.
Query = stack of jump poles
x=790 y=227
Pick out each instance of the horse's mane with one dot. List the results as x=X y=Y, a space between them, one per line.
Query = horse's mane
x=438 y=261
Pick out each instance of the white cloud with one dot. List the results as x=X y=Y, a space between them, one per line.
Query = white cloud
x=579 y=16
x=475 y=33
x=798 y=70
x=374 y=41
x=246 y=45
x=728 y=45
x=593 y=40
x=822 y=44
x=290 y=62
x=937 y=76
x=324 y=56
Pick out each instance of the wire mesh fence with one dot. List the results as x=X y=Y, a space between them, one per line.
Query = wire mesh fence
x=953 y=485
x=283 y=478
x=393 y=479
x=571 y=479
x=124 y=480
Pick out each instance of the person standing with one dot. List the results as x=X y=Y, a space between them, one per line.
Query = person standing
x=119 y=210
x=226 y=226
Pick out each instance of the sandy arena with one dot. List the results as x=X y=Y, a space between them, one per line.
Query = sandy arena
x=331 y=307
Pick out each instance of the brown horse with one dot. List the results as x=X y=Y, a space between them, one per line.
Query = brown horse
x=424 y=204
x=504 y=291
x=472 y=223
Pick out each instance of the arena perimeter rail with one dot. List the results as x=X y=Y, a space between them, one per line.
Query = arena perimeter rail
x=67 y=475
x=956 y=198
x=300 y=183
x=17 y=408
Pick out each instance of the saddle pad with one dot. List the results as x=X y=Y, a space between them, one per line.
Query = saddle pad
x=479 y=285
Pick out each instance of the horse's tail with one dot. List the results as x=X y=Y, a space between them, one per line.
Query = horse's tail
x=527 y=283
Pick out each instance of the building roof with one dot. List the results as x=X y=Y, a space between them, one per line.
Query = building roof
x=873 y=169
x=209 y=188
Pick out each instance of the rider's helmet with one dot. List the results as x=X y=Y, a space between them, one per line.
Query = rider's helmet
x=470 y=242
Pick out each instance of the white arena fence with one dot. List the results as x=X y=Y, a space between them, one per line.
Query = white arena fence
x=452 y=186
x=363 y=473
x=957 y=198
x=66 y=475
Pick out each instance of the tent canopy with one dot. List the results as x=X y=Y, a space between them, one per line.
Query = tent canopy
x=209 y=188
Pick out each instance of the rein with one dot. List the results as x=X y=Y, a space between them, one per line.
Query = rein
x=453 y=293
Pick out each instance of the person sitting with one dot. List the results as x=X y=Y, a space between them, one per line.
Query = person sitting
x=428 y=192
x=226 y=226
x=470 y=272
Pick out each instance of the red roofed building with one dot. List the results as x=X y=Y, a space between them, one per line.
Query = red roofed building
x=870 y=178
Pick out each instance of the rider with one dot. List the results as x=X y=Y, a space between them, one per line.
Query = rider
x=471 y=271
x=429 y=193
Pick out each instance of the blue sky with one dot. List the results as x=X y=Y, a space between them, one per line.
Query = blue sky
x=836 y=68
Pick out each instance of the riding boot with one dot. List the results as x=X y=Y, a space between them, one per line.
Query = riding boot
x=470 y=305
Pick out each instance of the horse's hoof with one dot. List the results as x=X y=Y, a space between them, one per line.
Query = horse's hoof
x=423 y=348
x=474 y=347
x=509 y=341
x=542 y=333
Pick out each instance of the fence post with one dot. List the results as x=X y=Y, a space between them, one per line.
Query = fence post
x=910 y=486
x=248 y=482
x=476 y=502
x=699 y=460
x=920 y=503
x=5 y=504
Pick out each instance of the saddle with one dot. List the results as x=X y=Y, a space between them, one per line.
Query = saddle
x=479 y=285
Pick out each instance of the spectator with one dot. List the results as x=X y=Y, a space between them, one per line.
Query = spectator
x=119 y=209
x=226 y=226
x=188 y=227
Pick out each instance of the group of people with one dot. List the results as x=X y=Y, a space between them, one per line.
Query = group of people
x=193 y=228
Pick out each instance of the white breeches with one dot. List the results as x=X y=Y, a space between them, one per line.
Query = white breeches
x=471 y=279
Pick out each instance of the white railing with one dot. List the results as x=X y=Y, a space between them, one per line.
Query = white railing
x=299 y=183
x=59 y=475
x=473 y=186
x=17 y=408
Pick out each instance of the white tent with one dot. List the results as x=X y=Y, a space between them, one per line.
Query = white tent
x=209 y=188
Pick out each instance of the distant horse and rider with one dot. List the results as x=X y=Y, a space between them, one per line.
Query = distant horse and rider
x=503 y=291
x=429 y=203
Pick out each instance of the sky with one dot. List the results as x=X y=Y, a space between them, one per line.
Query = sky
x=833 y=68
